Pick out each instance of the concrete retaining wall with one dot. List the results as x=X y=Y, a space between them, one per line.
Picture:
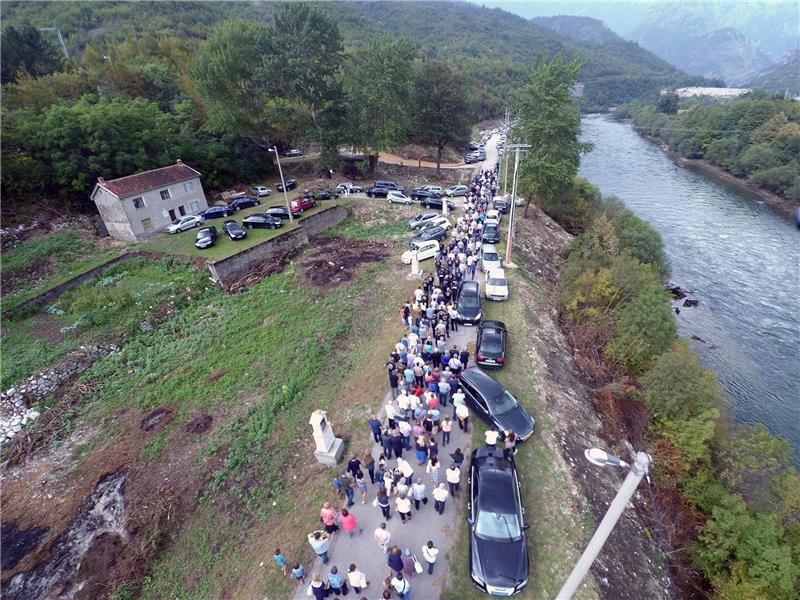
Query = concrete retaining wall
x=227 y=269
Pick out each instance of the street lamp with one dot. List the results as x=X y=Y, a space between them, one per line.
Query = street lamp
x=283 y=183
x=638 y=469
x=517 y=148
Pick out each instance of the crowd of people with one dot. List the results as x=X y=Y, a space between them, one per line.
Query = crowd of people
x=423 y=371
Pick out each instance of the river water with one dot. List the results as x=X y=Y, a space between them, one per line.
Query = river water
x=739 y=258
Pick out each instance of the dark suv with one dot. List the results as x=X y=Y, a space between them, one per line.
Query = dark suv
x=468 y=304
x=206 y=237
x=495 y=404
x=498 y=553
x=317 y=192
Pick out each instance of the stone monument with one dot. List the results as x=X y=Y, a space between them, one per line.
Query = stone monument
x=415 y=270
x=329 y=448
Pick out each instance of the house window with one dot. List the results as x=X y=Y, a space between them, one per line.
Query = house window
x=188 y=187
x=138 y=203
x=194 y=206
x=147 y=224
x=165 y=195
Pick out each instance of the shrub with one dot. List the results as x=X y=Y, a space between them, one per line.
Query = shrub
x=640 y=239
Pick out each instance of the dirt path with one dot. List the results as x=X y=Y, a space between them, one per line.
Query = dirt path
x=392 y=159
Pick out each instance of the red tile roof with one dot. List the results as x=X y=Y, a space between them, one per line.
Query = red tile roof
x=148 y=180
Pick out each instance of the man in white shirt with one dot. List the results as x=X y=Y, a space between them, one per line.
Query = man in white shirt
x=440 y=496
x=405 y=431
x=491 y=438
x=402 y=403
x=453 y=475
x=401 y=586
x=403 y=505
x=429 y=553
x=382 y=536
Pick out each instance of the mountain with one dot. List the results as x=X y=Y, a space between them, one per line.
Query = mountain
x=783 y=76
x=583 y=30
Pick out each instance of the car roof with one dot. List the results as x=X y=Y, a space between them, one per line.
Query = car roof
x=497 y=273
x=469 y=285
x=489 y=324
x=489 y=248
x=488 y=386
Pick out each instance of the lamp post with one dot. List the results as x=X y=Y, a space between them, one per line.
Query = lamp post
x=283 y=183
x=517 y=149
x=638 y=469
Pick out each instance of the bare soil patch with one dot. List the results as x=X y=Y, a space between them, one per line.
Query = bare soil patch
x=156 y=420
x=11 y=279
x=259 y=271
x=47 y=328
x=199 y=423
x=333 y=261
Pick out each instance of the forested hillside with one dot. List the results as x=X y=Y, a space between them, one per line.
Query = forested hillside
x=756 y=136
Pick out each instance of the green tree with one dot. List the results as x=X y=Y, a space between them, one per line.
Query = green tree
x=25 y=48
x=668 y=103
x=645 y=330
x=549 y=120
x=441 y=114
x=379 y=96
x=640 y=239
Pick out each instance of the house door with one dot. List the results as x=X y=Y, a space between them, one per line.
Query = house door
x=182 y=210
x=172 y=216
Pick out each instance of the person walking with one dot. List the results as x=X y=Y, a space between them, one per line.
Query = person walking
x=403 y=506
x=319 y=541
x=383 y=502
x=433 y=447
x=462 y=412
x=406 y=470
x=382 y=536
x=395 y=560
x=408 y=563
x=318 y=588
x=347 y=487
x=444 y=391
x=510 y=442
x=434 y=470
x=357 y=579
x=405 y=432
x=375 y=427
x=440 y=496
x=298 y=573
x=453 y=476
x=327 y=515
x=349 y=522
x=369 y=463
x=281 y=560
x=421 y=449
x=397 y=443
x=447 y=428
x=337 y=582
x=458 y=399
x=458 y=457
x=491 y=438
x=402 y=587
x=386 y=443
x=361 y=486
x=418 y=493
x=354 y=465
x=430 y=553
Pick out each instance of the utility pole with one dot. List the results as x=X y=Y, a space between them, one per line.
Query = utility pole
x=517 y=149
x=60 y=39
x=505 y=173
x=638 y=470
x=283 y=183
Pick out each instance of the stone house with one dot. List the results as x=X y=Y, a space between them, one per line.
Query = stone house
x=139 y=205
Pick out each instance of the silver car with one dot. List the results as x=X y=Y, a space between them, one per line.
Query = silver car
x=456 y=190
x=184 y=223
x=395 y=197
x=490 y=258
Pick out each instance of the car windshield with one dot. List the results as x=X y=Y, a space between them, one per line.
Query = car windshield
x=499 y=281
x=469 y=301
x=490 y=257
x=502 y=404
x=204 y=233
x=497 y=526
x=491 y=343
x=177 y=222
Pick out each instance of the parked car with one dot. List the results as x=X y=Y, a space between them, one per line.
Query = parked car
x=436 y=202
x=491 y=234
x=263 y=221
x=498 y=551
x=468 y=304
x=319 y=193
x=216 y=212
x=395 y=197
x=347 y=187
x=293 y=153
x=184 y=223
x=496 y=285
x=495 y=404
x=422 y=193
x=490 y=258
x=432 y=233
x=425 y=250
x=206 y=237
x=456 y=190
x=501 y=204
x=490 y=349
x=416 y=222
x=470 y=159
x=434 y=189
x=260 y=190
x=241 y=202
x=301 y=203
x=233 y=229
x=379 y=192
x=281 y=212
x=492 y=217
x=290 y=185
x=390 y=185
x=439 y=221
x=474 y=145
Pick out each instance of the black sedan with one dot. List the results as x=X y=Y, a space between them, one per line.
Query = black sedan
x=265 y=221
x=423 y=194
x=378 y=192
x=436 y=202
x=495 y=404
x=243 y=202
x=422 y=218
x=206 y=237
x=293 y=153
x=491 y=234
x=217 y=212
x=319 y=193
x=468 y=304
x=501 y=205
x=498 y=554
x=490 y=350
x=234 y=230
x=431 y=233
x=290 y=185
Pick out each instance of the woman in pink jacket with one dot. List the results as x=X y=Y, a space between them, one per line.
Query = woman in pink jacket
x=348 y=521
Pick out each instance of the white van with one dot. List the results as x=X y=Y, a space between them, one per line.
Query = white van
x=425 y=250
x=490 y=258
x=496 y=285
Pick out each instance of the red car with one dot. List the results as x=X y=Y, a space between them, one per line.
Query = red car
x=299 y=204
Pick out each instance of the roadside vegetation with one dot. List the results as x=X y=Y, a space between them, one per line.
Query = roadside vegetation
x=755 y=137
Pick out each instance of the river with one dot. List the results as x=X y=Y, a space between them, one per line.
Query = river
x=739 y=258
